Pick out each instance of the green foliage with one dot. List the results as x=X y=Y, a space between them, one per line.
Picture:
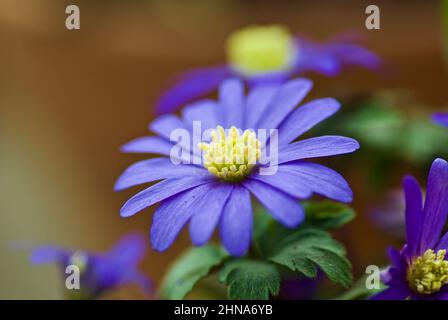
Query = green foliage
x=250 y=279
x=191 y=267
x=307 y=250
x=276 y=251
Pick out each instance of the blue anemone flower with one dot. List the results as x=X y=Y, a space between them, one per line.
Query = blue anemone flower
x=260 y=54
x=209 y=192
x=441 y=118
x=420 y=270
x=99 y=272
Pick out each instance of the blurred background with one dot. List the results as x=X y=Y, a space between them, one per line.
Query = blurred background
x=69 y=99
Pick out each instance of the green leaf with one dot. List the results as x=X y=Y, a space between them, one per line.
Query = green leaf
x=308 y=249
x=250 y=279
x=191 y=267
x=327 y=215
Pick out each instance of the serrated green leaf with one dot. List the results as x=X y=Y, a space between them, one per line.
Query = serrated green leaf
x=250 y=279
x=307 y=249
x=327 y=215
x=191 y=267
x=335 y=266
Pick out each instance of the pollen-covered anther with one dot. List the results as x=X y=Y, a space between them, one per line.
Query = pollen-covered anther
x=231 y=156
x=429 y=272
x=261 y=49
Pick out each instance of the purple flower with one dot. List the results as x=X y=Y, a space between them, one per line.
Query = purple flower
x=99 y=272
x=210 y=192
x=420 y=270
x=441 y=119
x=260 y=54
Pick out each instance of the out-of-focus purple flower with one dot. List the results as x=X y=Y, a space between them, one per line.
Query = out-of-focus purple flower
x=420 y=270
x=267 y=54
x=211 y=192
x=99 y=272
x=441 y=119
x=389 y=216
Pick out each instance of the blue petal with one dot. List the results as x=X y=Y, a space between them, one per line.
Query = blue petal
x=208 y=212
x=305 y=117
x=159 y=192
x=164 y=125
x=257 y=101
x=130 y=250
x=148 y=145
x=155 y=169
x=49 y=254
x=203 y=111
x=436 y=205
x=172 y=214
x=413 y=199
x=441 y=118
x=323 y=146
x=231 y=98
x=281 y=206
x=236 y=222
x=300 y=179
x=289 y=95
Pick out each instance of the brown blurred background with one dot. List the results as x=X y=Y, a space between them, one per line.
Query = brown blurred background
x=69 y=99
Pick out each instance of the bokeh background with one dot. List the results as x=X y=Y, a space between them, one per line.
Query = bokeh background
x=69 y=99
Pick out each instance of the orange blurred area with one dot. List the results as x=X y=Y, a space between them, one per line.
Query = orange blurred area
x=69 y=99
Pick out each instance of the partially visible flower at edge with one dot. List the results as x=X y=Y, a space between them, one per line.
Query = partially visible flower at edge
x=440 y=119
x=261 y=54
x=420 y=270
x=100 y=272
x=207 y=194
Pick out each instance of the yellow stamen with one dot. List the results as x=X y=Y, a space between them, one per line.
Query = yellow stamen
x=231 y=156
x=429 y=272
x=261 y=49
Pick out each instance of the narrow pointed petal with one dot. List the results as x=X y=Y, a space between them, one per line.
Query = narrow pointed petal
x=148 y=145
x=436 y=205
x=413 y=213
x=301 y=179
x=305 y=117
x=257 y=101
x=231 y=98
x=289 y=96
x=159 y=192
x=208 y=212
x=164 y=125
x=236 y=222
x=281 y=206
x=155 y=169
x=323 y=146
x=171 y=216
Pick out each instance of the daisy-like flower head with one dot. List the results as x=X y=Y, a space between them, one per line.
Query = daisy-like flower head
x=266 y=54
x=441 y=119
x=420 y=270
x=208 y=180
x=99 y=272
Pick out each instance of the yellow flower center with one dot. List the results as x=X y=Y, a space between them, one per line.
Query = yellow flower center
x=231 y=156
x=429 y=272
x=261 y=49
